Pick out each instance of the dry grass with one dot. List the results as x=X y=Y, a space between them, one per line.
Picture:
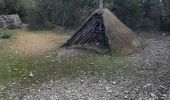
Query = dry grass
x=122 y=40
x=35 y=43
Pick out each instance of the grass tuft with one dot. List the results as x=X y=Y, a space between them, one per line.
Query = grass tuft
x=5 y=34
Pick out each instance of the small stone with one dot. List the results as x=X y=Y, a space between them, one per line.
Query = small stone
x=48 y=56
x=15 y=69
x=147 y=85
x=31 y=74
x=97 y=43
x=2 y=88
x=110 y=91
x=164 y=95
x=81 y=81
x=125 y=97
x=164 y=34
x=9 y=70
x=68 y=91
x=107 y=88
x=140 y=98
x=104 y=74
x=114 y=83
x=126 y=91
x=51 y=81
x=92 y=63
x=162 y=87
x=152 y=95
x=78 y=67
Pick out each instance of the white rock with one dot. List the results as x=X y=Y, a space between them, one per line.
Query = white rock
x=68 y=91
x=125 y=97
x=126 y=91
x=147 y=85
x=2 y=87
x=152 y=95
x=110 y=91
x=164 y=95
x=107 y=88
x=39 y=90
x=81 y=81
x=31 y=74
x=140 y=98
x=92 y=63
x=114 y=83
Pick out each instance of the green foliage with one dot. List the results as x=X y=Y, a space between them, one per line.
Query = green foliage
x=5 y=34
x=46 y=14
x=165 y=18
x=134 y=7
x=134 y=13
x=21 y=7
x=2 y=3
x=56 y=12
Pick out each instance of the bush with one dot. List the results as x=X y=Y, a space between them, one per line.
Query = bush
x=5 y=34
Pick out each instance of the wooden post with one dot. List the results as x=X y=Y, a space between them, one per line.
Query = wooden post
x=101 y=4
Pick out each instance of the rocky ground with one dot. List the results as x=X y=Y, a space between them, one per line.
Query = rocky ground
x=143 y=76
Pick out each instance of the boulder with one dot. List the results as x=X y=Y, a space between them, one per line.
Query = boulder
x=10 y=21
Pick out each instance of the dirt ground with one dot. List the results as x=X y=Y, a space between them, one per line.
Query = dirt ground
x=29 y=43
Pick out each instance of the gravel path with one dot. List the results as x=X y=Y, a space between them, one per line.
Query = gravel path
x=145 y=76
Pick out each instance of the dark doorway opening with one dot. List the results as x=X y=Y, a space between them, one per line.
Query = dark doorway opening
x=91 y=33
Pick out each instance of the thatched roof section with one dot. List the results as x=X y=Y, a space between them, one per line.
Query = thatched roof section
x=121 y=39
x=105 y=31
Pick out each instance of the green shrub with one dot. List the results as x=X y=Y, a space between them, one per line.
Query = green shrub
x=5 y=34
